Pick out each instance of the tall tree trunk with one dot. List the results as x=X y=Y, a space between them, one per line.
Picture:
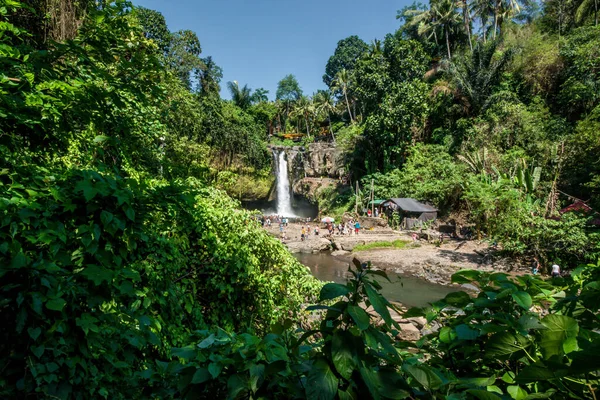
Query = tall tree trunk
x=483 y=28
x=447 y=43
x=307 y=130
x=596 y=12
x=496 y=11
x=330 y=130
x=467 y=22
x=348 y=105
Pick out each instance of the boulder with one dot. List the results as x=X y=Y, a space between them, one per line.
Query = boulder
x=339 y=253
x=433 y=327
x=409 y=333
x=419 y=322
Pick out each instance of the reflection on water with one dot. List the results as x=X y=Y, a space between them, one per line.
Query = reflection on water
x=408 y=290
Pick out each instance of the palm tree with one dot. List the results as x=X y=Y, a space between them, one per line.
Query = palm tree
x=376 y=48
x=504 y=9
x=476 y=76
x=342 y=83
x=467 y=21
x=304 y=108
x=242 y=97
x=483 y=9
x=260 y=95
x=325 y=104
x=442 y=16
x=584 y=9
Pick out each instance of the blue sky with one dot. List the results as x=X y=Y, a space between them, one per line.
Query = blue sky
x=259 y=42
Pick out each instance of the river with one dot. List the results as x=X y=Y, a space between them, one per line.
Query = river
x=408 y=290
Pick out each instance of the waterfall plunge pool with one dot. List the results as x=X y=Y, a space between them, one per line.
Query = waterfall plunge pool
x=408 y=290
x=285 y=202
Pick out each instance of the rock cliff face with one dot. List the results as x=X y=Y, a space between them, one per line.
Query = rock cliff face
x=313 y=167
x=317 y=160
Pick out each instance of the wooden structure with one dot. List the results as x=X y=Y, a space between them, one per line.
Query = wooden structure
x=412 y=213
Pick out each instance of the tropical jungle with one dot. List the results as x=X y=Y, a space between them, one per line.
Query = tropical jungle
x=130 y=270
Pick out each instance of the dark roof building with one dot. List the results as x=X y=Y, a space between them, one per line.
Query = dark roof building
x=412 y=212
x=410 y=205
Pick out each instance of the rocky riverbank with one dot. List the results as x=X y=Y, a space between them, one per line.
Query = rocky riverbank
x=433 y=262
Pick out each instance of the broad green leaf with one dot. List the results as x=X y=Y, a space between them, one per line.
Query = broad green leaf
x=447 y=335
x=539 y=372
x=34 y=333
x=505 y=345
x=257 y=376
x=360 y=317
x=464 y=332
x=483 y=394
x=130 y=213
x=509 y=377
x=371 y=380
x=321 y=383
x=206 y=343
x=424 y=375
x=201 y=375
x=457 y=299
x=465 y=276
x=215 y=368
x=332 y=290
x=479 y=382
x=236 y=385
x=56 y=304
x=18 y=261
x=528 y=321
x=38 y=351
x=187 y=353
x=342 y=353
x=559 y=328
x=100 y=139
x=380 y=304
x=516 y=392
x=523 y=299
x=106 y=217
x=97 y=274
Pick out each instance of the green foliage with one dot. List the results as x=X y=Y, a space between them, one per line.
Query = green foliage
x=183 y=56
x=397 y=244
x=579 y=91
x=106 y=275
x=288 y=89
x=347 y=53
x=155 y=27
x=428 y=174
x=87 y=101
x=496 y=343
x=241 y=96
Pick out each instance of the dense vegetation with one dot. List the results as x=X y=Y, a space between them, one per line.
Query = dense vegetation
x=127 y=273
x=488 y=110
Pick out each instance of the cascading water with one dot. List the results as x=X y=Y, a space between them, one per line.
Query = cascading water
x=284 y=198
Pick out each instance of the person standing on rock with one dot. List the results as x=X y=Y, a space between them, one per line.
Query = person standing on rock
x=356 y=227
x=555 y=270
x=316 y=231
x=369 y=213
x=535 y=266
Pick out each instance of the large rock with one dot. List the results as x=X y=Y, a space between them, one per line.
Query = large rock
x=316 y=161
x=419 y=322
x=409 y=333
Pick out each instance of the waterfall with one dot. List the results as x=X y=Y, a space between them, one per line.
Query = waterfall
x=284 y=195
